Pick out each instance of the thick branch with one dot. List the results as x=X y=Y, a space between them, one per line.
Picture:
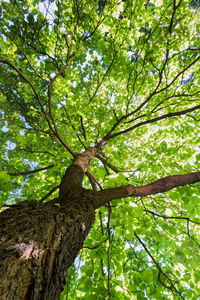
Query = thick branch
x=74 y=174
x=83 y=159
x=159 y=186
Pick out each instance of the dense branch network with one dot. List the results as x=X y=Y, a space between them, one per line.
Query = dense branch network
x=134 y=115
x=54 y=130
x=157 y=91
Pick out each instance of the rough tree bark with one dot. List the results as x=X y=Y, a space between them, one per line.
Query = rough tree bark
x=39 y=242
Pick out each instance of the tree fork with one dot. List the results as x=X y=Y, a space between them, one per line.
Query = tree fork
x=39 y=242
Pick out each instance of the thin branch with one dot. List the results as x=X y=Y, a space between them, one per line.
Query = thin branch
x=170 y=217
x=173 y=15
x=31 y=171
x=93 y=181
x=169 y=115
x=156 y=91
x=188 y=228
x=178 y=75
x=102 y=270
x=34 y=151
x=102 y=232
x=49 y=104
x=106 y=73
x=83 y=128
x=106 y=163
x=96 y=246
x=108 y=250
x=117 y=284
x=95 y=29
x=54 y=78
x=50 y=193
x=73 y=127
x=172 y=286
x=109 y=135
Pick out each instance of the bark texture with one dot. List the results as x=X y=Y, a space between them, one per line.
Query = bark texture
x=38 y=244
x=159 y=186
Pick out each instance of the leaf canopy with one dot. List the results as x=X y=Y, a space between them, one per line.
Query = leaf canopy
x=79 y=71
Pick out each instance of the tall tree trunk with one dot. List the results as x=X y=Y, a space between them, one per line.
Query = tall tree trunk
x=39 y=242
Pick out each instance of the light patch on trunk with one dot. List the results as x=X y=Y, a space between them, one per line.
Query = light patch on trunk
x=83 y=226
x=28 y=250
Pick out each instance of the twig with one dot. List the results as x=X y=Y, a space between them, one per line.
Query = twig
x=108 y=251
x=31 y=172
x=105 y=162
x=169 y=217
x=50 y=192
x=97 y=246
x=102 y=232
x=83 y=128
x=172 y=286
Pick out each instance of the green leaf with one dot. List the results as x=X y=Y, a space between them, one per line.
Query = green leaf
x=147 y=276
x=4 y=180
x=196 y=276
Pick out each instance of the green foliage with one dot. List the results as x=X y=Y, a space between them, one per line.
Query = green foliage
x=137 y=59
x=4 y=180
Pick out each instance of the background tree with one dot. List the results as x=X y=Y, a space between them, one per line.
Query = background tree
x=109 y=89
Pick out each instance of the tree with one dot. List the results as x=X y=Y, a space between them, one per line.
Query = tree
x=99 y=103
